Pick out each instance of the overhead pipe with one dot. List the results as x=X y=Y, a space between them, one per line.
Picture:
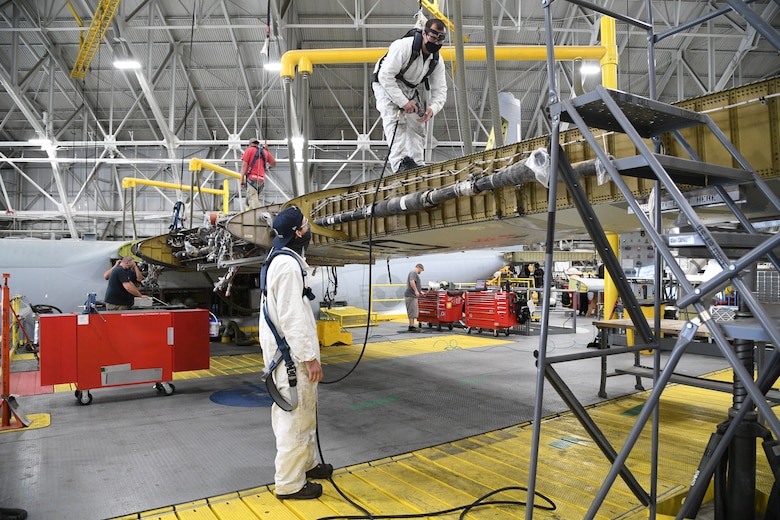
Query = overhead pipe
x=305 y=118
x=197 y=165
x=609 y=61
x=514 y=174
x=288 y=113
x=305 y=59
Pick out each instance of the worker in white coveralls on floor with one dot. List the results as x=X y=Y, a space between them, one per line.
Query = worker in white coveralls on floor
x=291 y=351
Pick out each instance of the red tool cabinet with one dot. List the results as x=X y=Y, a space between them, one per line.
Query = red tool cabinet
x=490 y=310
x=122 y=348
x=440 y=308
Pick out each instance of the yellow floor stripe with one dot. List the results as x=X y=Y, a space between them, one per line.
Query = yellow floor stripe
x=19 y=356
x=407 y=345
x=248 y=363
x=570 y=470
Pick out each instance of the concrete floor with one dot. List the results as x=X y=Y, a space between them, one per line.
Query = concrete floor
x=132 y=450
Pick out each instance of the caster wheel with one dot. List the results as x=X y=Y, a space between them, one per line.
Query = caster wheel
x=495 y=333
x=439 y=327
x=165 y=388
x=430 y=325
x=506 y=332
x=479 y=331
x=450 y=326
x=84 y=398
x=468 y=330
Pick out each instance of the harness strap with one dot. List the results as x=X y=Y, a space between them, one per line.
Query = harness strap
x=283 y=349
x=416 y=47
x=261 y=153
x=282 y=353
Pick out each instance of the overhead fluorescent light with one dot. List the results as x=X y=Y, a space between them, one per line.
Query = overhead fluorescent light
x=275 y=66
x=126 y=64
x=39 y=141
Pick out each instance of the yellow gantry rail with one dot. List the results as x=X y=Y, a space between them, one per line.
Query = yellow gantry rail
x=104 y=13
x=131 y=182
x=197 y=165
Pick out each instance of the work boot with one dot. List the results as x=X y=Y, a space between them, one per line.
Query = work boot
x=307 y=492
x=413 y=329
x=407 y=163
x=320 y=471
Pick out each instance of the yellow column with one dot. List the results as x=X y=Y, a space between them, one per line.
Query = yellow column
x=610 y=60
x=225 y=196
x=15 y=305
x=610 y=290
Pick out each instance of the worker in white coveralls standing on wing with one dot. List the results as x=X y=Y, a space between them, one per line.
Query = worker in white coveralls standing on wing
x=291 y=320
x=410 y=78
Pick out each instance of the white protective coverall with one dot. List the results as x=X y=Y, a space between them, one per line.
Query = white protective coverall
x=391 y=94
x=292 y=315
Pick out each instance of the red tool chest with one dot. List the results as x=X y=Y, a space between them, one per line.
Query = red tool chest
x=440 y=308
x=122 y=348
x=490 y=310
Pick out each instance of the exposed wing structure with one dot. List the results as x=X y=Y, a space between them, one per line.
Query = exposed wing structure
x=494 y=198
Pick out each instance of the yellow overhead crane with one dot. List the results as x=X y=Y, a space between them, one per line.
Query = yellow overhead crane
x=90 y=44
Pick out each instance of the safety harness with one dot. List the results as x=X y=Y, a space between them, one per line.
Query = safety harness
x=416 y=48
x=283 y=350
x=261 y=153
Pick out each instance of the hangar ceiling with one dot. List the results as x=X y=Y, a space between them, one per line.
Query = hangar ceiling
x=202 y=90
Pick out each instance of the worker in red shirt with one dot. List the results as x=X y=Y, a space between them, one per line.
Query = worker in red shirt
x=255 y=162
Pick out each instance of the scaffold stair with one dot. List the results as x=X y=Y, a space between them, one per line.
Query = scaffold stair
x=644 y=121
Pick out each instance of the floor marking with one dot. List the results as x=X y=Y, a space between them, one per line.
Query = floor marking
x=380 y=350
x=371 y=404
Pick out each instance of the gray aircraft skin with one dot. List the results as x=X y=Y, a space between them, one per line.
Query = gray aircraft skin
x=62 y=273
x=56 y=272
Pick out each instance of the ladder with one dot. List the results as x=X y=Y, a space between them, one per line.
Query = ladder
x=642 y=119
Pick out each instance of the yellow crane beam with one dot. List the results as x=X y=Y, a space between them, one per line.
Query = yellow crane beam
x=433 y=8
x=104 y=13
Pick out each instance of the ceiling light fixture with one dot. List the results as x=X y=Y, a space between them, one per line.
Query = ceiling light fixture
x=126 y=64
x=589 y=69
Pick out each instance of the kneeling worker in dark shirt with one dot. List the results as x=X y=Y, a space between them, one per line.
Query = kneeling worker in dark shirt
x=121 y=291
